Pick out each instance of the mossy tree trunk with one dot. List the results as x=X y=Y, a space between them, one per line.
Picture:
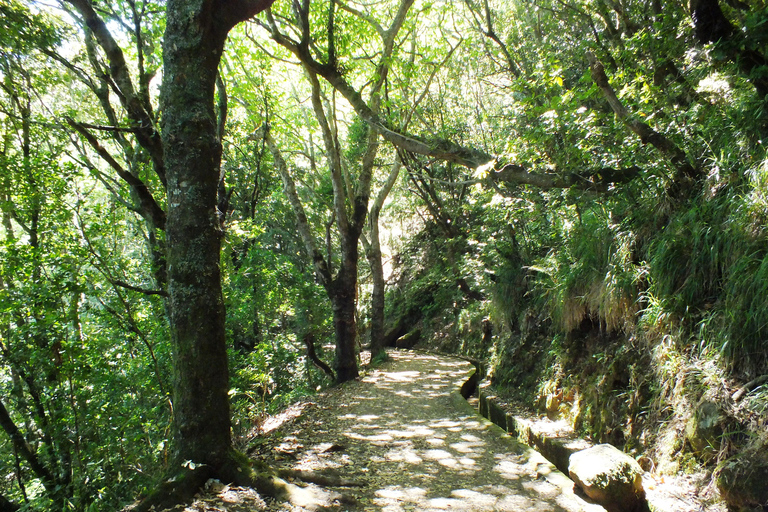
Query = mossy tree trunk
x=201 y=381
x=186 y=157
x=194 y=40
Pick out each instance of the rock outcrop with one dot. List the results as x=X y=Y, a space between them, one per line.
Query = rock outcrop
x=704 y=430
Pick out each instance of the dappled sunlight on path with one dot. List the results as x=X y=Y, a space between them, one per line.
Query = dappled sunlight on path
x=403 y=436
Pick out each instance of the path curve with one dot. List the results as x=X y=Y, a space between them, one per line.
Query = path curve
x=405 y=433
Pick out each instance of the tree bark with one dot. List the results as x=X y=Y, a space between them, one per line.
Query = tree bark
x=309 y=342
x=194 y=40
x=201 y=380
x=373 y=254
x=22 y=448
x=344 y=304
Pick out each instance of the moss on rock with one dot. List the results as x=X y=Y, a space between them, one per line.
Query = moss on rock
x=741 y=481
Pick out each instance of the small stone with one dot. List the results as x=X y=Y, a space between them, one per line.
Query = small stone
x=552 y=404
x=610 y=477
x=704 y=429
x=335 y=448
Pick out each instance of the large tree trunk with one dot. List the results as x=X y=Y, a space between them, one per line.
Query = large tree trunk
x=342 y=294
x=187 y=158
x=192 y=49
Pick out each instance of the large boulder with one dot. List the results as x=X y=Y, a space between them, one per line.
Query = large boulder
x=409 y=340
x=610 y=477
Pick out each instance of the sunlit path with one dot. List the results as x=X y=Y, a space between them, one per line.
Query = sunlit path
x=400 y=432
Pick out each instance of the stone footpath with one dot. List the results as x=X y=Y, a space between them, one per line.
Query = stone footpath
x=406 y=434
x=404 y=439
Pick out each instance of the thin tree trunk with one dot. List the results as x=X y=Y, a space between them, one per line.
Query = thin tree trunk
x=23 y=449
x=342 y=290
x=377 y=298
x=373 y=253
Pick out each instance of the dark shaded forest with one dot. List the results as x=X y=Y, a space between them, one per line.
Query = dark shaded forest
x=211 y=208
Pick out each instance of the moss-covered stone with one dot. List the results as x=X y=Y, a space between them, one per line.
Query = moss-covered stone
x=742 y=482
x=704 y=429
x=409 y=340
x=610 y=477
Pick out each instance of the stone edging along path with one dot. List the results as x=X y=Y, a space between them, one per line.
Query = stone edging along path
x=556 y=441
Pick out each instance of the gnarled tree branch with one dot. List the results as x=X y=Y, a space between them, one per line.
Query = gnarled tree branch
x=677 y=157
x=147 y=135
x=148 y=207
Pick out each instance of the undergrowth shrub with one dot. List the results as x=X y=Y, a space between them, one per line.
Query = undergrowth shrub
x=591 y=276
x=709 y=269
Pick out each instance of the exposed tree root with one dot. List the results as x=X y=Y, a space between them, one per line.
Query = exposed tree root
x=309 y=341
x=174 y=490
x=749 y=386
x=324 y=479
x=182 y=486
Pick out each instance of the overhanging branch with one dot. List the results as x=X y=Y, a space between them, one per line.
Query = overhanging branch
x=596 y=180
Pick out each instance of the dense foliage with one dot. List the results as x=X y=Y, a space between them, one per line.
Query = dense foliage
x=575 y=191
